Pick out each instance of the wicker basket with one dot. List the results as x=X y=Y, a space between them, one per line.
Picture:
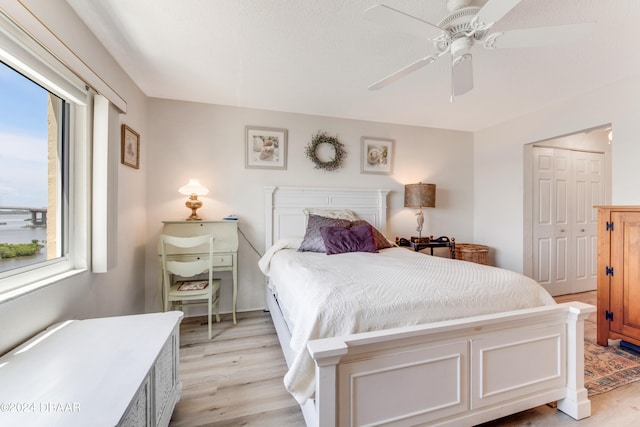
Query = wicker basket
x=474 y=253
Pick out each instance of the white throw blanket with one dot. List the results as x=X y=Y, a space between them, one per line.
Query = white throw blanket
x=335 y=295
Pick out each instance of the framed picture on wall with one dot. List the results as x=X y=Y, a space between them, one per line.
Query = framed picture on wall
x=130 y=149
x=265 y=148
x=377 y=155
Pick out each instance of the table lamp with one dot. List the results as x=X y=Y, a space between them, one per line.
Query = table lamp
x=193 y=189
x=420 y=196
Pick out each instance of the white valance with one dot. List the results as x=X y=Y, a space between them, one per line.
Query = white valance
x=19 y=25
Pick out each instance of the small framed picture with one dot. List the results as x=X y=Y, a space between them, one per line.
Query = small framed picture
x=265 y=148
x=377 y=155
x=130 y=150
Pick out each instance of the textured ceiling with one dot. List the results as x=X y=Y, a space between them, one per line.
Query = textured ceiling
x=319 y=56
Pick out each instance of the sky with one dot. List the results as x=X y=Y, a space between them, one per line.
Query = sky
x=23 y=141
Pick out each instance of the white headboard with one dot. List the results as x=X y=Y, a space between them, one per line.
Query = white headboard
x=283 y=208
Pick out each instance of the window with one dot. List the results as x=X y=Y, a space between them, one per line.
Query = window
x=44 y=164
x=33 y=147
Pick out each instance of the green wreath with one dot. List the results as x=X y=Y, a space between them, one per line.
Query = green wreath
x=323 y=138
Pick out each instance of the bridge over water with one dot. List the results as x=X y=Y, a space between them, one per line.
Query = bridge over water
x=38 y=215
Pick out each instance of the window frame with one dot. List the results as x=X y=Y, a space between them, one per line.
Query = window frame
x=27 y=57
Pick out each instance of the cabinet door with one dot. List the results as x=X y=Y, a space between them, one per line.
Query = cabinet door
x=139 y=413
x=625 y=282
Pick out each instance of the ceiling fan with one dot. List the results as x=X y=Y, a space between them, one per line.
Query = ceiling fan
x=459 y=31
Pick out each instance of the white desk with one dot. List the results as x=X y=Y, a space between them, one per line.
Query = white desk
x=116 y=371
x=225 y=247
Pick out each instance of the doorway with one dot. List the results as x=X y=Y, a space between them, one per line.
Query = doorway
x=564 y=178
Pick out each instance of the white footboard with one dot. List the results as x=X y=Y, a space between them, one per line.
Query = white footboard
x=459 y=372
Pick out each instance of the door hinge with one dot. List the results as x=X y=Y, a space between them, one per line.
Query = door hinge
x=608 y=315
x=608 y=271
x=609 y=226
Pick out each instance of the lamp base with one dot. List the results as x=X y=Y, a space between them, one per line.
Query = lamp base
x=193 y=203
x=193 y=217
x=420 y=220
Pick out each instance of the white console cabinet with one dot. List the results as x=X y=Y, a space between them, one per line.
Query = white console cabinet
x=117 y=371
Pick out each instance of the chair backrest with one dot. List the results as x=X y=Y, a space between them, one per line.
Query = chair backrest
x=186 y=268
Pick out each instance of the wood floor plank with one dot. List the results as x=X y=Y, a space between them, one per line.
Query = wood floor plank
x=236 y=378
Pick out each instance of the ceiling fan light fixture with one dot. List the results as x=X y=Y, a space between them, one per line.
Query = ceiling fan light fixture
x=460 y=46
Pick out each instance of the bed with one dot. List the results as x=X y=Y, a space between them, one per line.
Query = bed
x=417 y=362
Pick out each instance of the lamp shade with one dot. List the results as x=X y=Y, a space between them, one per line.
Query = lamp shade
x=420 y=195
x=193 y=187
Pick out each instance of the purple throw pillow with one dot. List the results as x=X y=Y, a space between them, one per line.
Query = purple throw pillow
x=378 y=237
x=339 y=240
x=312 y=241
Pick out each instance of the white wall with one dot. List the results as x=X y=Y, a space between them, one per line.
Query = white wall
x=191 y=140
x=498 y=161
x=121 y=291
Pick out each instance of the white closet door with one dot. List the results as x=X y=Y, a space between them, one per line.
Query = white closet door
x=552 y=176
x=567 y=184
x=588 y=172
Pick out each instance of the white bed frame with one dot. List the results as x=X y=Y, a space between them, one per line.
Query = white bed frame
x=458 y=372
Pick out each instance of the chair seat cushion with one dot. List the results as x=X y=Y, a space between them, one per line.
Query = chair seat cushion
x=174 y=294
x=192 y=285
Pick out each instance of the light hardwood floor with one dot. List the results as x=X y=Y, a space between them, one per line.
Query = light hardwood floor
x=236 y=380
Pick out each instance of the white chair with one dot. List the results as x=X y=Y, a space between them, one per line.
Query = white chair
x=180 y=292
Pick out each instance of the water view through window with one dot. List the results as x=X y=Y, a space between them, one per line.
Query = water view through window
x=29 y=180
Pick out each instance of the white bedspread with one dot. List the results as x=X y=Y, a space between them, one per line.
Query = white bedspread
x=333 y=295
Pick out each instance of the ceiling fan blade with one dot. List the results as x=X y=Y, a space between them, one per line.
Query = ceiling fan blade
x=400 y=21
x=461 y=75
x=494 y=10
x=542 y=36
x=403 y=72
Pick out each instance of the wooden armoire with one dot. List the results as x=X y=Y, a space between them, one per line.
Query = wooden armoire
x=619 y=274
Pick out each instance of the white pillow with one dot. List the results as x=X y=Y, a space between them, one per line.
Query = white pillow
x=332 y=213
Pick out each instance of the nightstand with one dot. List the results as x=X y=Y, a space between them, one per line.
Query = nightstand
x=418 y=244
x=225 y=246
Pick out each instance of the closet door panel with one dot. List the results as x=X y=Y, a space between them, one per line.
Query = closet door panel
x=567 y=184
x=543 y=221
x=588 y=176
x=563 y=257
